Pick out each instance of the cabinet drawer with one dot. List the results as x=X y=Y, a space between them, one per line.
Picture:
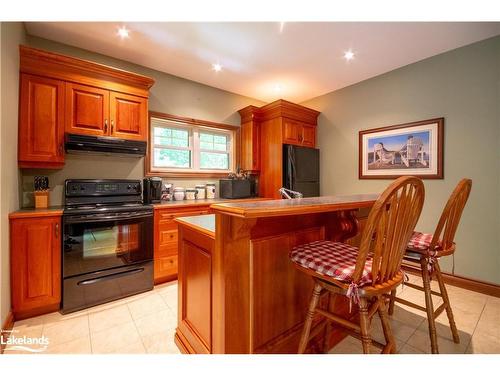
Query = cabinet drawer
x=167 y=243
x=165 y=267
x=171 y=215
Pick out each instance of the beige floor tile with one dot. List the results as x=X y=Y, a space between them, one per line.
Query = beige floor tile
x=66 y=330
x=408 y=349
x=170 y=297
x=349 y=345
x=401 y=331
x=111 y=339
x=78 y=346
x=30 y=323
x=162 y=288
x=28 y=330
x=482 y=343
x=57 y=317
x=421 y=341
x=111 y=317
x=444 y=331
x=135 y=348
x=161 y=321
x=161 y=343
x=407 y=315
x=144 y=306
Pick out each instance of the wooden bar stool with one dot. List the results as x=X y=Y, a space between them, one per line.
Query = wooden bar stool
x=364 y=275
x=424 y=250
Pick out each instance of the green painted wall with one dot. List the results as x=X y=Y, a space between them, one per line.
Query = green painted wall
x=463 y=86
x=12 y=34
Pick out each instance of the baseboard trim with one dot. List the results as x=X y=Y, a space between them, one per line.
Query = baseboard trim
x=463 y=282
x=7 y=326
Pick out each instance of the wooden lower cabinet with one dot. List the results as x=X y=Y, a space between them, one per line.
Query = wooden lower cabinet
x=166 y=240
x=35 y=252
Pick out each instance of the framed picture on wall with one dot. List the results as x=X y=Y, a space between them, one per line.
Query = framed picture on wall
x=414 y=148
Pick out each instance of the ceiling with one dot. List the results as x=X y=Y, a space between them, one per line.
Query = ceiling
x=270 y=60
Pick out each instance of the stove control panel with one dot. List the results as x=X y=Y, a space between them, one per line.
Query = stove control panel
x=81 y=188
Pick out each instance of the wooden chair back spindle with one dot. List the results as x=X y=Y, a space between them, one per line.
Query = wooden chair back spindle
x=444 y=235
x=389 y=227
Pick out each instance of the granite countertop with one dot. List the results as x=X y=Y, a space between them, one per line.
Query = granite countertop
x=284 y=207
x=202 y=223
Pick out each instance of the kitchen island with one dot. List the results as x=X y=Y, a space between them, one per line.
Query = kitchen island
x=238 y=291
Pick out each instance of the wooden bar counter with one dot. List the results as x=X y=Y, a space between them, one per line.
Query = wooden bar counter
x=238 y=291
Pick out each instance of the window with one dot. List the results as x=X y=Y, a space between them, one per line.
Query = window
x=182 y=147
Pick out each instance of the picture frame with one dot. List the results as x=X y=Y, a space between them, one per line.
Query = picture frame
x=411 y=149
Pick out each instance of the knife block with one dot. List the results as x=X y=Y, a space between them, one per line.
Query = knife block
x=41 y=199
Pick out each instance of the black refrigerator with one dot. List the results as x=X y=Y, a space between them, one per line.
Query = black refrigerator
x=301 y=170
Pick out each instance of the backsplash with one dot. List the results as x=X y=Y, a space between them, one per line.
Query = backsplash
x=93 y=166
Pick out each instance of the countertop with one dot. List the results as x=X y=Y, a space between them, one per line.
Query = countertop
x=202 y=223
x=201 y=202
x=301 y=206
x=36 y=212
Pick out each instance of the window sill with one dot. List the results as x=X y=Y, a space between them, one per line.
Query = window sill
x=187 y=174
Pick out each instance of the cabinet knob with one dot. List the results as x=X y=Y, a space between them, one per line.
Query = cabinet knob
x=57 y=230
x=112 y=125
x=105 y=125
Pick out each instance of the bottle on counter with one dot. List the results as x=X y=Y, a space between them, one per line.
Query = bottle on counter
x=210 y=191
x=179 y=193
x=200 y=191
x=190 y=194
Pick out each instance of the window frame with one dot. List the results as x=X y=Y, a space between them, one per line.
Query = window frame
x=194 y=126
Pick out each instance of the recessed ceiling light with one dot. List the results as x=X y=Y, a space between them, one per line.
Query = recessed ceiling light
x=282 y=26
x=217 y=67
x=277 y=88
x=123 y=32
x=348 y=55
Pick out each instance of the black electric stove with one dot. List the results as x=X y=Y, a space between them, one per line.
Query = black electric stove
x=107 y=242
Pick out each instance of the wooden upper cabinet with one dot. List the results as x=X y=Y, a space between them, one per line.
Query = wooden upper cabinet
x=35 y=265
x=250 y=139
x=308 y=135
x=128 y=116
x=87 y=110
x=291 y=130
x=41 y=122
x=63 y=94
x=299 y=133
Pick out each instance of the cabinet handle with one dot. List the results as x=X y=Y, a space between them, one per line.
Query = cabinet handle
x=112 y=125
x=105 y=125
x=57 y=230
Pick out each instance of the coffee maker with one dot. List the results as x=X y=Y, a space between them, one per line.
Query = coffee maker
x=151 y=190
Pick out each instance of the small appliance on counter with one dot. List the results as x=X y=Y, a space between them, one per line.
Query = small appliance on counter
x=237 y=185
x=152 y=190
x=41 y=193
x=167 y=193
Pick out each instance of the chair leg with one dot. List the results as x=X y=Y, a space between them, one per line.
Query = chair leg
x=392 y=302
x=428 y=305
x=364 y=324
x=386 y=326
x=446 y=300
x=304 y=339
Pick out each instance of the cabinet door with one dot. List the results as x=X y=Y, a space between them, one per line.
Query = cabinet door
x=308 y=135
x=41 y=122
x=129 y=118
x=35 y=265
x=291 y=131
x=87 y=110
x=250 y=146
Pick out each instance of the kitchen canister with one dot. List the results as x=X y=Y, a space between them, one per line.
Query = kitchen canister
x=179 y=193
x=210 y=191
x=200 y=191
x=190 y=194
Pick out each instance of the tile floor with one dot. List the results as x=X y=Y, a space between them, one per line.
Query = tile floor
x=146 y=323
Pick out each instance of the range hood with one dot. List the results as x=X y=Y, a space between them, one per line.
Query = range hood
x=77 y=144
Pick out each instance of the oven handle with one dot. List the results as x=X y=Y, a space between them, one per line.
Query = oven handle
x=92 y=219
x=110 y=277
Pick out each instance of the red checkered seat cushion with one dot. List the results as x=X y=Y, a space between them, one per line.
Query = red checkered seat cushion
x=419 y=241
x=332 y=259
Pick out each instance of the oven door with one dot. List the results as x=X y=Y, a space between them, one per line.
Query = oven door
x=104 y=241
